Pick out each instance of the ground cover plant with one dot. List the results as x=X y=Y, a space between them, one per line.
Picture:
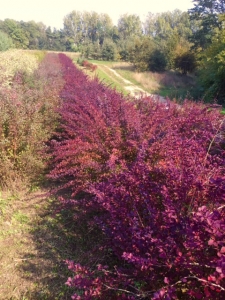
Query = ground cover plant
x=151 y=175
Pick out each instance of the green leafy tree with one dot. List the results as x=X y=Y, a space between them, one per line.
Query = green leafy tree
x=169 y=47
x=212 y=68
x=87 y=50
x=157 y=61
x=105 y=28
x=123 y=49
x=58 y=40
x=33 y=33
x=163 y=28
x=163 y=25
x=129 y=25
x=114 y=34
x=42 y=38
x=140 y=51
x=16 y=33
x=206 y=13
x=5 y=42
x=96 y=50
x=73 y=26
x=109 y=50
x=174 y=47
x=170 y=31
x=87 y=26
x=99 y=26
x=94 y=26
x=149 y=25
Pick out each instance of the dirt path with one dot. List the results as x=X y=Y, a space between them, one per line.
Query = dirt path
x=33 y=246
x=134 y=90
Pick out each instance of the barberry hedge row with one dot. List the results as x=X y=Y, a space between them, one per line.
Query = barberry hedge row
x=155 y=174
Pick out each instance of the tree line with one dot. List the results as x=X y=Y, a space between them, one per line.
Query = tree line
x=184 y=41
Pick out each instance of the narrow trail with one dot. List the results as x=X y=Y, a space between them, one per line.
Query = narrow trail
x=133 y=89
x=32 y=249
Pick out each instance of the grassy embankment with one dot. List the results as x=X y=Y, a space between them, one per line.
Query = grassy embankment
x=167 y=84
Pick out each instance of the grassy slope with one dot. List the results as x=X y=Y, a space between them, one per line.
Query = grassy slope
x=167 y=84
x=106 y=76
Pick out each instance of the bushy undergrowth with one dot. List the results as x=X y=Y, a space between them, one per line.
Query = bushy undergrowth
x=86 y=64
x=13 y=61
x=29 y=93
x=154 y=172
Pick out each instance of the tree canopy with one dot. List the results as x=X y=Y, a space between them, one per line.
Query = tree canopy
x=181 y=41
x=5 y=42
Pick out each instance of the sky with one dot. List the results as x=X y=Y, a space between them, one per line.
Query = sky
x=52 y=12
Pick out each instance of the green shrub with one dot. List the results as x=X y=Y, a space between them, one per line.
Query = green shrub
x=157 y=61
x=5 y=42
x=186 y=62
x=27 y=120
x=109 y=50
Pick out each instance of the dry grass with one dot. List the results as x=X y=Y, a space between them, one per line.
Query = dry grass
x=154 y=81
x=148 y=82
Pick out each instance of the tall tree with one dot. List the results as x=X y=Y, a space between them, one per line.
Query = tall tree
x=43 y=43
x=170 y=31
x=140 y=50
x=162 y=25
x=106 y=27
x=33 y=33
x=73 y=26
x=87 y=26
x=150 y=24
x=129 y=25
x=212 y=67
x=206 y=12
x=16 y=33
x=109 y=50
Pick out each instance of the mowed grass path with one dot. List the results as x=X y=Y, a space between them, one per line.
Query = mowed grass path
x=35 y=241
x=31 y=248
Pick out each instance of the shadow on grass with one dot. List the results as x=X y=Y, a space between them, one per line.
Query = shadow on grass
x=57 y=237
x=124 y=67
x=174 y=85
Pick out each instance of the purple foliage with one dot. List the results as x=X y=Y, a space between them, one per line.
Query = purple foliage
x=156 y=172
x=99 y=130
